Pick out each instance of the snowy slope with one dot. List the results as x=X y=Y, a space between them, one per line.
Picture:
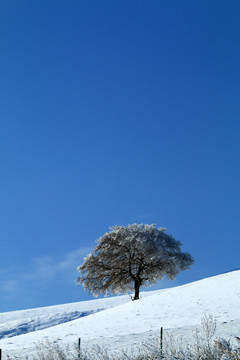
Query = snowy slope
x=21 y=322
x=177 y=307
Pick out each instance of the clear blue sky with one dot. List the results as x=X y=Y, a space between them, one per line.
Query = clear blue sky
x=115 y=112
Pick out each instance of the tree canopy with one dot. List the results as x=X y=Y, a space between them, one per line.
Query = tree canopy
x=128 y=257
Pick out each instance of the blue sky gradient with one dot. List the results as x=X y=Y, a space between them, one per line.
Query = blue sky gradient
x=115 y=112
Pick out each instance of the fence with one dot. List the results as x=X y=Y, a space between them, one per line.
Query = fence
x=224 y=330
x=79 y=345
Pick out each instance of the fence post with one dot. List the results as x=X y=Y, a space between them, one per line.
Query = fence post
x=161 y=342
x=79 y=347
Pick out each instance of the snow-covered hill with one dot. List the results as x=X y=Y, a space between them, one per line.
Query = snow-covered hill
x=25 y=321
x=119 y=317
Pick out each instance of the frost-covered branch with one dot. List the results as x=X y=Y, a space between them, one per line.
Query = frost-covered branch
x=126 y=258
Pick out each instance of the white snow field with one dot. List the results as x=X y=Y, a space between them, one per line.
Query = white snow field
x=117 y=321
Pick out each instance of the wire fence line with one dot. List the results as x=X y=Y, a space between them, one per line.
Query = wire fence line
x=115 y=344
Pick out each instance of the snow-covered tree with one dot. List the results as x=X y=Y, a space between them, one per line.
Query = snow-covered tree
x=126 y=258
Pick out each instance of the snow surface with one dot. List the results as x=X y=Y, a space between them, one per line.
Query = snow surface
x=117 y=321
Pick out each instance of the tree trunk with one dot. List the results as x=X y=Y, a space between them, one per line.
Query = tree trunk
x=137 y=285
